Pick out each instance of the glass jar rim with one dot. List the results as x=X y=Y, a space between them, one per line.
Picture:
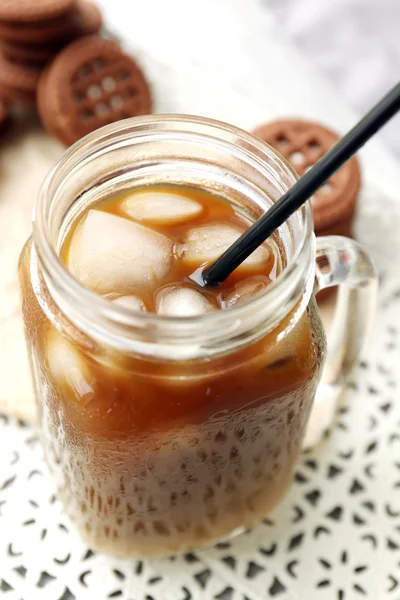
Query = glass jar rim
x=298 y=269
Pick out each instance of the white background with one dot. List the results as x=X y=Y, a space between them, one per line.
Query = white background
x=355 y=43
x=239 y=51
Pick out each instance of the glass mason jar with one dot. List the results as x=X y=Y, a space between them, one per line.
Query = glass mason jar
x=164 y=433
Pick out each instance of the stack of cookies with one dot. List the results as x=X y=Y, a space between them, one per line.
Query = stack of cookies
x=89 y=84
x=4 y=116
x=50 y=55
x=32 y=32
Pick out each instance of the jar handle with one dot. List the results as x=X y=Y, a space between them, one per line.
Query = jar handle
x=342 y=261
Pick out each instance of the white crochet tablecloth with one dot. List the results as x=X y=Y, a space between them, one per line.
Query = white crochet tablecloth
x=336 y=536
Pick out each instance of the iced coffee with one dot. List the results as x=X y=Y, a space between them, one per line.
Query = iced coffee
x=155 y=454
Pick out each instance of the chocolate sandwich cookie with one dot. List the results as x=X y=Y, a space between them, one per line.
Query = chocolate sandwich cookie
x=344 y=228
x=44 y=107
x=89 y=84
x=41 y=102
x=32 y=11
x=4 y=116
x=302 y=143
x=17 y=82
x=84 y=18
x=28 y=53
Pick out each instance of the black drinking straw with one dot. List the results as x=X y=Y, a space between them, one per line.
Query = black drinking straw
x=303 y=189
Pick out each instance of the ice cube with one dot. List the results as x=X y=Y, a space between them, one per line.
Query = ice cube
x=206 y=243
x=131 y=302
x=182 y=302
x=161 y=207
x=112 y=254
x=243 y=291
x=68 y=367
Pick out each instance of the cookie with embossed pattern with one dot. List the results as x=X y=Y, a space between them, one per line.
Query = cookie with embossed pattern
x=89 y=84
x=302 y=143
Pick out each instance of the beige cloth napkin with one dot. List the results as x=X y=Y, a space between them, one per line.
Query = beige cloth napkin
x=26 y=155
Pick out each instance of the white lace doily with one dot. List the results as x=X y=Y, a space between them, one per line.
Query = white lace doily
x=336 y=536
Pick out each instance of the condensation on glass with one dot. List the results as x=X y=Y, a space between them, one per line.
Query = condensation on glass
x=167 y=434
